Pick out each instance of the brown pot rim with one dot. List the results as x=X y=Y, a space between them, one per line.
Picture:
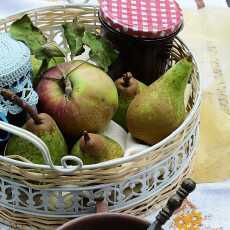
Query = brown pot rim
x=98 y=215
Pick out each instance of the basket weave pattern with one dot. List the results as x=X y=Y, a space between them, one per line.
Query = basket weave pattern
x=43 y=199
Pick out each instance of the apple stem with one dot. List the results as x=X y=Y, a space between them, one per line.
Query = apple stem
x=68 y=87
x=76 y=67
x=9 y=95
x=86 y=136
x=126 y=79
x=67 y=82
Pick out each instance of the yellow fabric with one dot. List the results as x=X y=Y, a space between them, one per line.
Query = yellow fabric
x=212 y=162
x=207 y=34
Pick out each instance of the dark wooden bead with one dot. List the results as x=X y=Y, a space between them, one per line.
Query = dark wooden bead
x=174 y=202
x=187 y=186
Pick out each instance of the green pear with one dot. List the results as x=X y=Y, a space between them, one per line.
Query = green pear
x=43 y=126
x=48 y=131
x=95 y=148
x=160 y=109
x=128 y=87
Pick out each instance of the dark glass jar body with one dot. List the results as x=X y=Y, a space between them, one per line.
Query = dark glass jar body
x=17 y=120
x=146 y=59
x=4 y=135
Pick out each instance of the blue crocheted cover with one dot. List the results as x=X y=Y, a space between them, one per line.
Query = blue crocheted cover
x=15 y=73
x=4 y=136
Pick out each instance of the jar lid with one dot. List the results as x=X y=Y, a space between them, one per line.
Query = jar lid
x=142 y=18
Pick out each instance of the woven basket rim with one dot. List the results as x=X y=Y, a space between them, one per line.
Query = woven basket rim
x=40 y=9
x=143 y=153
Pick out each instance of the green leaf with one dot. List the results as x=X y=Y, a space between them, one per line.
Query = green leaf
x=49 y=50
x=73 y=32
x=54 y=61
x=24 y=30
x=38 y=67
x=101 y=51
x=41 y=66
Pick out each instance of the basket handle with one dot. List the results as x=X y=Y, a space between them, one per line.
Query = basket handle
x=81 y=2
x=38 y=143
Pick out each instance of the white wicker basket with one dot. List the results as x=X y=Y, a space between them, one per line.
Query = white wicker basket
x=45 y=196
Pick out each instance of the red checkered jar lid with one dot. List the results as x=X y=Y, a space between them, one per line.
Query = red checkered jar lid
x=142 y=18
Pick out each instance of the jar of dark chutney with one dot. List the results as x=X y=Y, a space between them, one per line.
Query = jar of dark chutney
x=143 y=32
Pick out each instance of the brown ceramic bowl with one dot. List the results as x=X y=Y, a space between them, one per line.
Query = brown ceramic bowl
x=105 y=221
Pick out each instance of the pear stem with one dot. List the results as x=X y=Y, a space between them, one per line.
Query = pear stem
x=86 y=137
x=189 y=58
x=7 y=94
x=126 y=79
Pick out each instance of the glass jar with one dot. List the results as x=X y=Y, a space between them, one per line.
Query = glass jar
x=4 y=136
x=143 y=32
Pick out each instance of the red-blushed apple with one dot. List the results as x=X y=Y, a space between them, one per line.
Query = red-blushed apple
x=86 y=100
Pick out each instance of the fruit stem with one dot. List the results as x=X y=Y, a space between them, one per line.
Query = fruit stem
x=76 y=67
x=68 y=87
x=7 y=94
x=86 y=137
x=126 y=79
x=67 y=82
x=189 y=58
